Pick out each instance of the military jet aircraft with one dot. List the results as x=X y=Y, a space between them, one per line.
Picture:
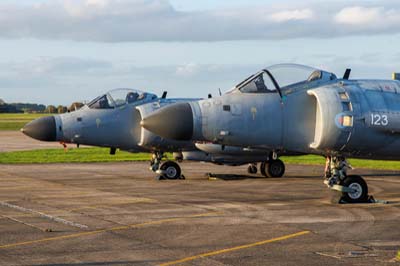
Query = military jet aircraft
x=290 y=108
x=113 y=120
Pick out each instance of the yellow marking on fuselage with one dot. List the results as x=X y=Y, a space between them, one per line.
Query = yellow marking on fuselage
x=98 y=122
x=119 y=228
x=217 y=252
x=254 y=112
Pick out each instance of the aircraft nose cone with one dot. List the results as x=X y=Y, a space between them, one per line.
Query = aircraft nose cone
x=43 y=128
x=171 y=122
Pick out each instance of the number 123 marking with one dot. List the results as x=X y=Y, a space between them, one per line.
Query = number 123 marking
x=379 y=120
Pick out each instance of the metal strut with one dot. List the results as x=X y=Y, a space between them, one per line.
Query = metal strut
x=335 y=172
x=155 y=161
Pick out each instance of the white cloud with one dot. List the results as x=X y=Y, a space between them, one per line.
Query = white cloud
x=369 y=20
x=287 y=15
x=359 y=15
x=63 y=80
x=158 y=20
x=97 y=3
x=44 y=65
x=187 y=69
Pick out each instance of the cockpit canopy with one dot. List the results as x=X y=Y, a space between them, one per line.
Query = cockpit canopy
x=119 y=97
x=281 y=77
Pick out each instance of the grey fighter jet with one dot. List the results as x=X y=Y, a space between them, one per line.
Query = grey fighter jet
x=113 y=120
x=297 y=109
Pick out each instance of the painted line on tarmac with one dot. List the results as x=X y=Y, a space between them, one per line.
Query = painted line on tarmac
x=22 y=222
x=83 y=208
x=221 y=251
x=50 y=217
x=119 y=228
x=126 y=202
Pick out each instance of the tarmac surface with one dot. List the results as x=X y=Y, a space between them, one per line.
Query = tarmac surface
x=17 y=141
x=119 y=214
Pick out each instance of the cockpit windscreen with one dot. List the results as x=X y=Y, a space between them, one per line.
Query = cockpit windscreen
x=282 y=76
x=119 y=97
x=259 y=83
x=291 y=74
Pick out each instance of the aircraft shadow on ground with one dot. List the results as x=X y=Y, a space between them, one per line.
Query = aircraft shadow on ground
x=232 y=177
x=382 y=174
x=93 y=263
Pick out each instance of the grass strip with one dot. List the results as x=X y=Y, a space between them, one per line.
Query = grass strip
x=355 y=163
x=73 y=155
x=92 y=155
x=16 y=121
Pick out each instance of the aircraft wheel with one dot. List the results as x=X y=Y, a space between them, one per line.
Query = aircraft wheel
x=275 y=168
x=263 y=167
x=360 y=187
x=171 y=170
x=252 y=169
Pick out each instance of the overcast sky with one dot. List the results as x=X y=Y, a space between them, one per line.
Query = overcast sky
x=60 y=51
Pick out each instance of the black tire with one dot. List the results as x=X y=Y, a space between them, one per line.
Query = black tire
x=358 y=183
x=275 y=168
x=263 y=168
x=252 y=169
x=171 y=170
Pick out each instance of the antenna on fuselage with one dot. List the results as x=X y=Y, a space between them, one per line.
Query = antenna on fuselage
x=347 y=73
x=219 y=90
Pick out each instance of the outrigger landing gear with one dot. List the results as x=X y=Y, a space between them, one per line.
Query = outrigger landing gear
x=252 y=168
x=273 y=167
x=353 y=188
x=168 y=170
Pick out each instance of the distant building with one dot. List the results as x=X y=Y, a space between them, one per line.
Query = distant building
x=29 y=108
x=7 y=108
x=3 y=107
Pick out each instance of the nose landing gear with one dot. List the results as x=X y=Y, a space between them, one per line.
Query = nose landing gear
x=169 y=170
x=353 y=188
x=359 y=189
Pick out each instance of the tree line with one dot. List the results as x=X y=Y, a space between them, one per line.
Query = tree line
x=37 y=108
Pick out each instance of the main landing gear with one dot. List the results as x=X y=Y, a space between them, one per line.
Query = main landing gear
x=353 y=188
x=167 y=170
x=273 y=168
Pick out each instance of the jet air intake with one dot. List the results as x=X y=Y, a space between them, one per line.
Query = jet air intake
x=171 y=122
